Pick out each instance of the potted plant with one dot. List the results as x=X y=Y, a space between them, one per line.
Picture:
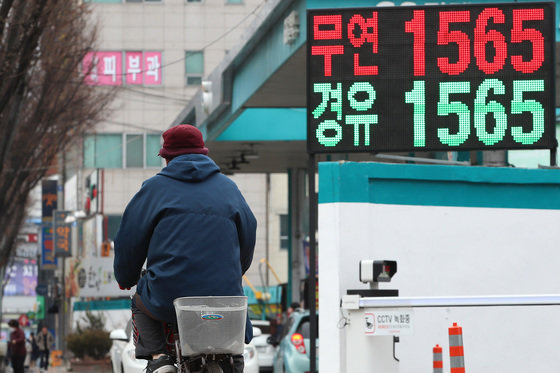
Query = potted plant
x=90 y=344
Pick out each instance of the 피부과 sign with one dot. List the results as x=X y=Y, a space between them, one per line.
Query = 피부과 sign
x=433 y=78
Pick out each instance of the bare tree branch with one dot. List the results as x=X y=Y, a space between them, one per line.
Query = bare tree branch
x=45 y=103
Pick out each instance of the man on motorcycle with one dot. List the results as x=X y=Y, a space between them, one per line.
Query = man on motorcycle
x=192 y=226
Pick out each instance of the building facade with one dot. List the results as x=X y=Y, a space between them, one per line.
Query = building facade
x=156 y=55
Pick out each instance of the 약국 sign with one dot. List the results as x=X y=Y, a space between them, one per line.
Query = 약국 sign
x=62 y=233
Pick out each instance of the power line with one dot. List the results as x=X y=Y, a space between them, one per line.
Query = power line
x=187 y=55
x=125 y=124
x=165 y=97
x=226 y=33
x=178 y=99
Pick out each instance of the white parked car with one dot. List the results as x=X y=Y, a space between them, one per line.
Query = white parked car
x=120 y=339
x=266 y=350
x=124 y=360
x=3 y=353
x=3 y=348
x=251 y=355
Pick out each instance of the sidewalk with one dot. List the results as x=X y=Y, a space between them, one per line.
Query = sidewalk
x=60 y=369
x=65 y=369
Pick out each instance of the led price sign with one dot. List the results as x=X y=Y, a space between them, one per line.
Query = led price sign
x=433 y=78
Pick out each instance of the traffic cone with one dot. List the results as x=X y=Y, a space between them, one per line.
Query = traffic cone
x=438 y=359
x=456 y=352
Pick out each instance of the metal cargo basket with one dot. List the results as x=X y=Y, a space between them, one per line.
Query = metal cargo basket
x=211 y=325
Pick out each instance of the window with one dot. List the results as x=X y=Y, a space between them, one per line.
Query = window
x=234 y=1
x=153 y=144
x=194 y=1
x=107 y=151
x=304 y=327
x=284 y=231
x=134 y=151
x=103 y=151
x=194 y=67
x=287 y=327
x=113 y=224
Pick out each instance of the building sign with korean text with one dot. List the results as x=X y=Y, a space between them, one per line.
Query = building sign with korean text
x=389 y=322
x=62 y=234
x=48 y=257
x=92 y=277
x=21 y=277
x=49 y=198
x=116 y=68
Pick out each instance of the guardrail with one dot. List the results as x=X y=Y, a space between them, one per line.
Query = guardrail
x=460 y=301
x=367 y=318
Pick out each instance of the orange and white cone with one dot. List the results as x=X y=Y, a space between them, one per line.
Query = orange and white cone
x=438 y=359
x=456 y=352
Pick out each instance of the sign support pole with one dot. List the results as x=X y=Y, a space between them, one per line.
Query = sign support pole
x=311 y=285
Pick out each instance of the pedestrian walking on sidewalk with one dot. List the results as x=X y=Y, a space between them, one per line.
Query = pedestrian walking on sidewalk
x=45 y=340
x=34 y=351
x=17 y=346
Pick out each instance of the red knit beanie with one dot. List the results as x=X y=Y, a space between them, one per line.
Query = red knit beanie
x=182 y=139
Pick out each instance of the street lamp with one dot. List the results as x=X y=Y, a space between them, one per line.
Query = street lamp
x=71 y=219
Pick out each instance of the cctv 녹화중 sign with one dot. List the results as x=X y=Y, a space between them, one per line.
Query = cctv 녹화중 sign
x=431 y=78
x=381 y=322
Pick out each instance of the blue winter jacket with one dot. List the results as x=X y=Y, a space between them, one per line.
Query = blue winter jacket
x=194 y=228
